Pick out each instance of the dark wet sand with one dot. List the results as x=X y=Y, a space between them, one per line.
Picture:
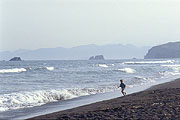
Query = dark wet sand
x=160 y=102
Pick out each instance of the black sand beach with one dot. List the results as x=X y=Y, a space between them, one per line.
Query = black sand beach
x=160 y=102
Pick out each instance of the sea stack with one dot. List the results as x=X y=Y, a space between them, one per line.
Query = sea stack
x=15 y=59
x=97 y=57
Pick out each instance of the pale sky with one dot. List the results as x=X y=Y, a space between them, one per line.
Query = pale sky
x=32 y=24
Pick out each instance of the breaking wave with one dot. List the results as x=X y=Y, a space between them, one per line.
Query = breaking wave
x=175 y=65
x=127 y=70
x=144 y=79
x=167 y=73
x=43 y=68
x=105 y=65
x=13 y=70
x=50 y=68
x=37 y=98
x=102 y=65
x=175 y=68
x=140 y=80
x=149 y=62
x=18 y=70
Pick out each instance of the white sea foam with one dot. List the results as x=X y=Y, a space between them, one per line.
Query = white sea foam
x=30 y=99
x=50 y=68
x=127 y=70
x=17 y=70
x=41 y=68
x=167 y=73
x=149 y=62
x=37 y=98
x=139 y=77
x=102 y=65
x=175 y=65
x=144 y=79
x=111 y=64
x=141 y=80
x=13 y=70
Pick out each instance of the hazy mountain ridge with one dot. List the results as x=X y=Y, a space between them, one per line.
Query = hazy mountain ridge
x=116 y=51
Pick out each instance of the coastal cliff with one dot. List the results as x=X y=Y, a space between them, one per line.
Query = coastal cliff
x=168 y=50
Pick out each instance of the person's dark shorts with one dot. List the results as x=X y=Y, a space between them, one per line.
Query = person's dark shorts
x=123 y=89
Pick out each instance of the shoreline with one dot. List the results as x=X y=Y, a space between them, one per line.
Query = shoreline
x=53 y=107
x=161 y=101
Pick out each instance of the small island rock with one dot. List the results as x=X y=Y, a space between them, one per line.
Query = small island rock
x=91 y=58
x=97 y=57
x=15 y=59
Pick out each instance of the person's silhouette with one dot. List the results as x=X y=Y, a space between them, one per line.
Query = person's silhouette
x=123 y=86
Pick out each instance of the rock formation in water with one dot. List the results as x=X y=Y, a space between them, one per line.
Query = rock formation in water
x=15 y=59
x=97 y=57
x=91 y=58
x=168 y=50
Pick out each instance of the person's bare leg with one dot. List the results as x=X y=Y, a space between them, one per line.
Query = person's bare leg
x=124 y=93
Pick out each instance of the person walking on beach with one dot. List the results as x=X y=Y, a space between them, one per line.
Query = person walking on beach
x=123 y=86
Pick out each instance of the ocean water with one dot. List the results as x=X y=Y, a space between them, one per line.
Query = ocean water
x=27 y=84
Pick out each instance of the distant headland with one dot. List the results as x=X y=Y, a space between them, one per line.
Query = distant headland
x=168 y=50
